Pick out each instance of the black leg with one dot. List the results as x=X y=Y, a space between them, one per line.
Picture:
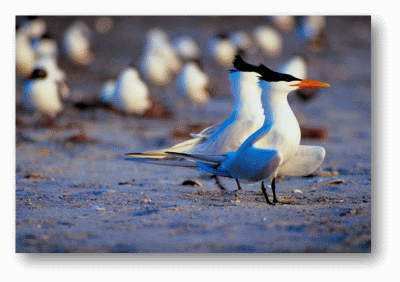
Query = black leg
x=275 y=200
x=265 y=193
x=239 y=189
x=238 y=184
x=220 y=186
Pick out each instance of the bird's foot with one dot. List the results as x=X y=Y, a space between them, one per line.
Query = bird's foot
x=220 y=186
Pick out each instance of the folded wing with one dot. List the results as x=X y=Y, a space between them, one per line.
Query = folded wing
x=304 y=162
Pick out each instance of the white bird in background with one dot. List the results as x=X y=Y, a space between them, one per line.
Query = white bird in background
x=131 y=94
x=46 y=45
x=285 y=23
x=310 y=27
x=159 y=61
x=32 y=26
x=53 y=72
x=25 y=55
x=41 y=94
x=222 y=50
x=159 y=40
x=274 y=148
x=35 y=26
x=154 y=68
x=49 y=63
x=76 y=44
x=241 y=40
x=311 y=30
x=107 y=91
x=269 y=40
x=247 y=116
x=187 y=48
x=192 y=83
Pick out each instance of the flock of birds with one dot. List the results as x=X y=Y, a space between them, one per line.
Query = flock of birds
x=260 y=139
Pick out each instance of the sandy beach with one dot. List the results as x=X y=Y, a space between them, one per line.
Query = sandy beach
x=75 y=193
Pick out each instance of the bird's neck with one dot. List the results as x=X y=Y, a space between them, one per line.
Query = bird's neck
x=276 y=109
x=247 y=95
x=278 y=116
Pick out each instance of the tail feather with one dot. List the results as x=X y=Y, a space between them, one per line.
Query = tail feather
x=214 y=169
x=164 y=161
x=205 y=133
x=148 y=155
x=160 y=154
x=210 y=159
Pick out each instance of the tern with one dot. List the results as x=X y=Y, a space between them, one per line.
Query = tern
x=241 y=40
x=34 y=26
x=41 y=94
x=47 y=52
x=25 y=55
x=311 y=30
x=159 y=61
x=187 y=48
x=130 y=93
x=76 y=43
x=247 y=116
x=192 y=83
x=310 y=27
x=107 y=91
x=46 y=45
x=269 y=40
x=285 y=23
x=53 y=72
x=222 y=50
x=275 y=147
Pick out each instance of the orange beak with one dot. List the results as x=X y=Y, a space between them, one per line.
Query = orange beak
x=308 y=83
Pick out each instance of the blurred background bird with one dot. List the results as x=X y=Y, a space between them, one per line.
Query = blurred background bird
x=222 y=50
x=242 y=41
x=160 y=61
x=311 y=30
x=130 y=95
x=42 y=96
x=187 y=48
x=25 y=55
x=285 y=23
x=269 y=40
x=76 y=44
x=192 y=84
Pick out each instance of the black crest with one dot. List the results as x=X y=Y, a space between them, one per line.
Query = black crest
x=222 y=36
x=273 y=76
x=241 y=65
x=38 y=73
x=47 y=36
x=264 y=72
x=31 y=18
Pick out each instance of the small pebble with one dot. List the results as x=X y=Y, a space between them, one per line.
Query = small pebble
x=145 y=201
x=336 y=181
x=297 y=191
x=325 y=173
x=191 y=182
